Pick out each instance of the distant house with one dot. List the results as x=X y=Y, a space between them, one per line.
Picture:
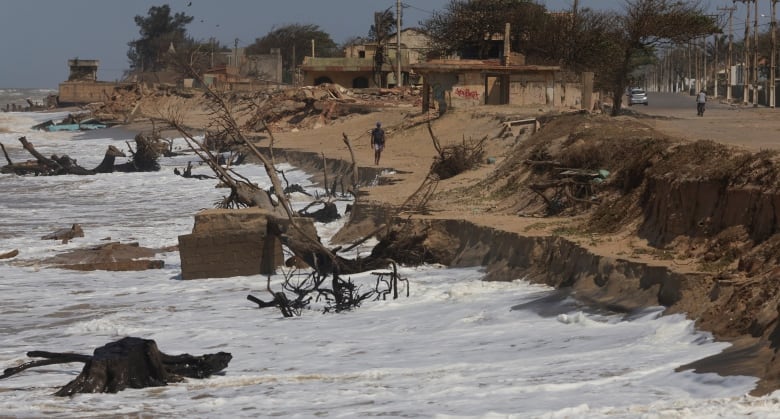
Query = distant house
x=466 y=83
x=453 y=83
x=83 y=86
x=83 y=70
x=234 y=70
x=264 y=67
x=369 y=64
x=258 y=69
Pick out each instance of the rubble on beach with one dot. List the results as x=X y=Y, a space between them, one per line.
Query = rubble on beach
x=290 y=109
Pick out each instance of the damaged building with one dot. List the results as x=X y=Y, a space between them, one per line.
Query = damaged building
x=82 y=86
x=370 y=64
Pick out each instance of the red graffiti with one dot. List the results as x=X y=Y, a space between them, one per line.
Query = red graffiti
x=467 y=93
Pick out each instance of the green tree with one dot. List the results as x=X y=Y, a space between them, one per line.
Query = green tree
x=159 y=30
x=354 y=40
x=468 y=27
x=384 y=25
x=294 y=42
x=196 y=56
x=636 y=36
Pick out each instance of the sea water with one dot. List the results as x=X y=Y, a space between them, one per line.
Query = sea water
x=456 y=347
x=20 y=96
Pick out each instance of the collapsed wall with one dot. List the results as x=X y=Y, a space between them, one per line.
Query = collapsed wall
x=227 y=243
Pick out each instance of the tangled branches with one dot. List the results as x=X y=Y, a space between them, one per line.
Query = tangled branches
x=342 y=294
x=456 y=159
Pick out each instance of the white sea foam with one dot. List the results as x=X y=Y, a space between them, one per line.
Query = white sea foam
x=457 y=347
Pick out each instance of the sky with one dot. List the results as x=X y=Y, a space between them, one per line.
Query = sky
x=38 y=37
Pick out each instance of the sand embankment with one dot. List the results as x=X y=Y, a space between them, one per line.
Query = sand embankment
x=689 y=226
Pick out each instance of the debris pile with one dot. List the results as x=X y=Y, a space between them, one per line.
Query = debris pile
x=311 y=107
x=292 y=108
x=73 y=122
x=122 y=105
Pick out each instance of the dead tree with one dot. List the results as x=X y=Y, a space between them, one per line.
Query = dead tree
x=65 y=234
x=107 y=165
x=289 y=308
x=326 y=214
x=355 y=189
x=144 y=159
x=455 y=159
x=566 y=189
x=130 y=362
x=148 y=150
x=283 y=220
x=188 y=173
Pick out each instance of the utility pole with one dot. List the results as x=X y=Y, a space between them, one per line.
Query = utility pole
x=773 y=60
x=294 y=71
x=704 y=62
x=755 y=53
x=235 y=53
x=399 y=79
x=696 y=57
x=746 y=57
x=715 y=66
x=731 y=46
x=688 y=51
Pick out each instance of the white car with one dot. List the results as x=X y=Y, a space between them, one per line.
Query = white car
x=637 y=96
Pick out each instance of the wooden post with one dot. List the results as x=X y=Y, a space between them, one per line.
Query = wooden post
x=587 y=90
x=507 y=46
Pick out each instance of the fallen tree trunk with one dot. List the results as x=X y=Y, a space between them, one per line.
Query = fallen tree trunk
x=144 y=159
x=10 y=254
x=130 y=362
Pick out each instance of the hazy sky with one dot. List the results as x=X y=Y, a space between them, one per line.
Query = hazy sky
x=38 y=37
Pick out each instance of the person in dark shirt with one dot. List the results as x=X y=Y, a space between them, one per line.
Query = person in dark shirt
x=377 y=141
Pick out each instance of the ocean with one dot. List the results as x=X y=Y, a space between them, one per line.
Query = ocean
x=457 y=347
x=19 y=96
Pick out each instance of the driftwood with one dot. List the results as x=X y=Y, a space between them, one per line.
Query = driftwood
x=144 y=159
x=188 y=173
x=5 y=153
x=112 y=256
x=148 y=150
x=65 y=234
x=326 y=214
x=455 y=159
x=355 y=189
x=340 y=296
x=10 y=254
x=130 y=362
x=566 y=187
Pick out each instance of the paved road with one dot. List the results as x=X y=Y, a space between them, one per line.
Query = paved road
x=745 y=126
x=675 y=104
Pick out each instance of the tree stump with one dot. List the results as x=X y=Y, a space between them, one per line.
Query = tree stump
x=130 y=362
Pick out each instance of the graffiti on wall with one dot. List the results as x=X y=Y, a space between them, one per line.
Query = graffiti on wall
x=466 y=93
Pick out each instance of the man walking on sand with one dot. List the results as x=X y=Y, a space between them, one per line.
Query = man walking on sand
x=701 y=99
x=377 y=141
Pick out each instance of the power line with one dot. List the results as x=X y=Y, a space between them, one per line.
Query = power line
x=409 y=6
